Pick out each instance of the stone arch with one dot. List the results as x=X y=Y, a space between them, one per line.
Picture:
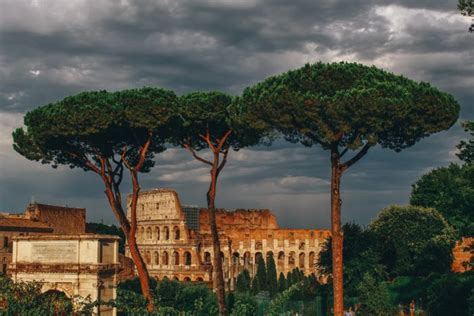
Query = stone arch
x=148 y=257
x=291 y=259
x=257 y=255
x=176 y=233
x=59 y=301
x=176 y=258
x=269 y=253
x=156 y=258
x=236 y=258
x=176 y=278
x=166 y=232
x=199 y=279
x=258 y=245
x=281 y=260
x=68 y=292
x=312 y=262
x=207 y=257
x=222 y=256
x=187 y=258
x=302 y=256
x=142 y=233
x=157 y=233
x=149 y=233
x=4 y=265
x=187 y=279
x=164 y=259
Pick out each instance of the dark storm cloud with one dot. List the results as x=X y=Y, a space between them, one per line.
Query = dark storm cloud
x=51 y=49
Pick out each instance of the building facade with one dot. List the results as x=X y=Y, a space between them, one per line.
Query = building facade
x=86 y=265
x=38 y=219
x=176 y=243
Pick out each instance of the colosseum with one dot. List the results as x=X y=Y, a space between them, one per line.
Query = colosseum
x=176 y=243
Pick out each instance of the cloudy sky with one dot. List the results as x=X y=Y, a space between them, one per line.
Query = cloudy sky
x=52 y=49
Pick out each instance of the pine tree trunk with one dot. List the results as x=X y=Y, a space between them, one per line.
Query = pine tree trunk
x=337 y=236
x=218 y=272
x=142 y=270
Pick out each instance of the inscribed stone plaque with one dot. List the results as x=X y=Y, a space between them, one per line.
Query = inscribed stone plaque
x=54 y=251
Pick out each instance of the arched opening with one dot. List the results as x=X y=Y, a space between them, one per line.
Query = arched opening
x=301 y=260
x=164 y=259
x=58 y=301
x=176 y=278
x=258 y=255
x=156 y=258
x=258 y=245
x=167 y=233
x=176 y=233
x=157 y=233
x=148 y=233
x=207 y=257
x=312 y=262
x=187 y=279
x=291 y=259
x=148 y=257
x=281 y=261
x=176 y=258
x=235 y=258
x=142 y=234
x=199 y=279
x=187 y=258
x=269 y=254
x=222 y=257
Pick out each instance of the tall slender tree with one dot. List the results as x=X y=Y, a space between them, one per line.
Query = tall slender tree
x=214 y=121
x=344 y=108
x=105 y=133
x=272 y=282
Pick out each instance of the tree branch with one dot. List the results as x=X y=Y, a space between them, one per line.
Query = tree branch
x=193 y=152
x=356 y=158
x=223 y=139
x=224 y=160
x=143 y=152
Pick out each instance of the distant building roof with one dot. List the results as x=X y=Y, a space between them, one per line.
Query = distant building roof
x=23 y=224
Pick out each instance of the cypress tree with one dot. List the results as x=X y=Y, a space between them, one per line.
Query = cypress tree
x=272 y=282
x=243 y=282
x=255 y=286
x=261 y=275
x=289 y=279
x=281 y=282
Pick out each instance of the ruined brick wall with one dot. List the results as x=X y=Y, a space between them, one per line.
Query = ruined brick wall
x=63 y=220
x=238 y=219
x=463 y=253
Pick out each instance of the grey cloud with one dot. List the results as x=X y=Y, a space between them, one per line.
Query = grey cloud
x=51 y=50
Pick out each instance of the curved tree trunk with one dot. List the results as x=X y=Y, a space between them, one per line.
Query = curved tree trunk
x=337 y=236
x=218 y=272
x=132 y=243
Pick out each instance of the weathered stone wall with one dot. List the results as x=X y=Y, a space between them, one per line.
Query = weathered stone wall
x=170 y=249
x=63 y=220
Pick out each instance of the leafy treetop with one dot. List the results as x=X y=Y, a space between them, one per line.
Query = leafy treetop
x=350 y=105
x=466 y=147
x=78 y=129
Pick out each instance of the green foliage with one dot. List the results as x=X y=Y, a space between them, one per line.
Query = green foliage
x=77 y=128
x=243 y=281
x=245 y=305
x=278 y=303
x=466 y=148
x=360 y=257
x=282 y=284
x=25 y=298
x=374 y=297
x=99 y=228
x=261 y=275
x=450 y=294
x=450 y=190
x=272 y=282
x=350 y=105
x=413 y=240
x=466 y=7
x=215 y=113
x=255 y=286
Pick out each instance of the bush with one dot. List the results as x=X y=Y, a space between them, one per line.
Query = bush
x=245 y=305
x=374 y=297
x=450 y=294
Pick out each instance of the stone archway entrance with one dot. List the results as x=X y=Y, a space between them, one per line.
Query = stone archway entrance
x=59 y=301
